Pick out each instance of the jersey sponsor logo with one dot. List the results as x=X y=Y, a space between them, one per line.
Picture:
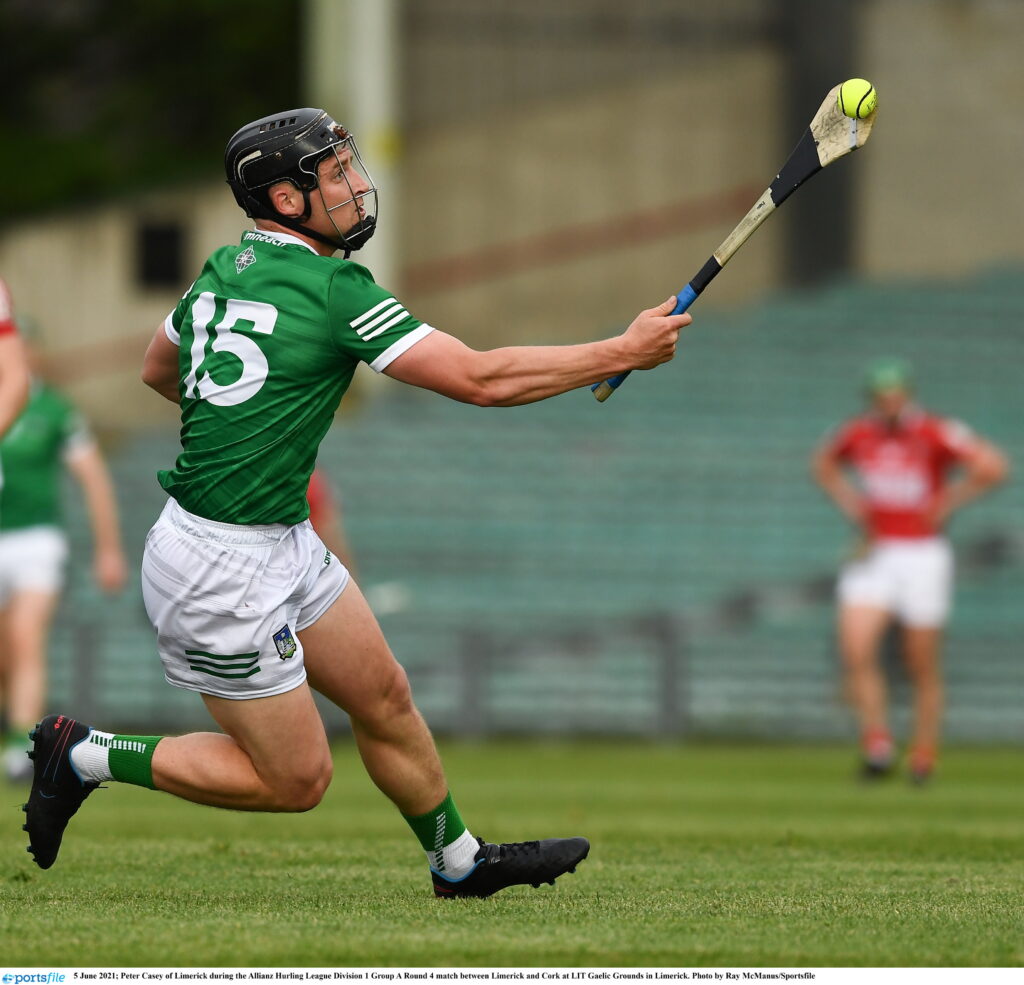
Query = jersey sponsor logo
x=897 y=489
x=327 y=558
x=244 y=259
x=379 y=319
x=257 y=236
x=285 y=642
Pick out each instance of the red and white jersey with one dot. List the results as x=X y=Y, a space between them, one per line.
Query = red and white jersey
x=7 y=325
x=901 y=466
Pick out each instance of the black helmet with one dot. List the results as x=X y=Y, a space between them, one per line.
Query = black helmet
x=289 y=146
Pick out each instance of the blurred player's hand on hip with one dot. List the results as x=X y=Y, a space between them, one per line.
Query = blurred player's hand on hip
x=110 y=571
x=652 y=336
x=940 y=510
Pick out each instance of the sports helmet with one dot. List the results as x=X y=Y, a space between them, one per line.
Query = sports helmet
x=888 y=374
x=289 y=146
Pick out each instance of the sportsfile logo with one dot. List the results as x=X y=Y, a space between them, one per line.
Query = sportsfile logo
x=48 y=976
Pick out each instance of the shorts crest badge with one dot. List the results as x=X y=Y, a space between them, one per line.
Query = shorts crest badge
x=285 y=642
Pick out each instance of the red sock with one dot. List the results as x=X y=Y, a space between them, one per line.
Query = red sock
x=877 y=745
x=922 y=759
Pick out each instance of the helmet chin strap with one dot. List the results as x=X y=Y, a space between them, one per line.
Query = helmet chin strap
x=354 y=239
x=357 y=235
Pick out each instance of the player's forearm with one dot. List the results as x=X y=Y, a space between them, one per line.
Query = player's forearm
x=106 y=532
x=169 y=391
x=518 y=375
x=160 y=367
x=162 y=379
x=100 y=502
x=968 y=489
x=847 y=500
x=12 y=400
x=988 y=469
x=838 y=488
x=14 y=382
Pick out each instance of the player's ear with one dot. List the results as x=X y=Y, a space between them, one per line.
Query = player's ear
x=287 y=199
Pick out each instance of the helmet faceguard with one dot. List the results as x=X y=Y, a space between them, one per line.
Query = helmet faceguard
x=290 y=146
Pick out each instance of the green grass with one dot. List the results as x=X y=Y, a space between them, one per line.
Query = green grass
x=702 y=855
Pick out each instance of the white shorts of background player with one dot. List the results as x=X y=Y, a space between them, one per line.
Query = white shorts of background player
x=910 y=578
x=32 y=559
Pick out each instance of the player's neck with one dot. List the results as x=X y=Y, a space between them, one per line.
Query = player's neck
x=273 y=227
x=903 y=416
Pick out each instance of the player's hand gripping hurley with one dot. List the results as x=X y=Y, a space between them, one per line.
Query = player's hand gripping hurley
x=831 y=135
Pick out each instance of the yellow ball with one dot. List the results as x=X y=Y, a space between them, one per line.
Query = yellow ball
x=857 y=98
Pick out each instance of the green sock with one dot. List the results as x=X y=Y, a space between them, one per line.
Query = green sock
x=126 y=758
x=437 y=829
x=17 y=739
x=131 y=759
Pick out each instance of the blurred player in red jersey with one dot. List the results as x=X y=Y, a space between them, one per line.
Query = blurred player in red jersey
x=14 y=374
x=901 y=456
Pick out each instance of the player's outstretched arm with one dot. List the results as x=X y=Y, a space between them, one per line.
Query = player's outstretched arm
x=517 y=375
x=160 y=366
x=14 y=380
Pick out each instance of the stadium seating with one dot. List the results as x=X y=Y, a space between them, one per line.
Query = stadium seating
x=659 y=564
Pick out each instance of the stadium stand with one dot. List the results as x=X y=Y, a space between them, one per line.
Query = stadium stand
x=657 y=565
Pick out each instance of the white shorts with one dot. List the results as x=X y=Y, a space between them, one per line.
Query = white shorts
x=32 y=559
x=229 y=601
x=912 y=579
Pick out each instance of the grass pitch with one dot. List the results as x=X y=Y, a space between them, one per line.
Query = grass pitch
x=702 y=856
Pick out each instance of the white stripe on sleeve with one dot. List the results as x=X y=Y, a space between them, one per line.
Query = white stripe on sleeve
x=404 y=344
x=396 y=308
x=371 y=312
x=400 y=317
x=170 y=331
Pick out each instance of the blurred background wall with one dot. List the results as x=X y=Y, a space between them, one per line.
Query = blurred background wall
x=657 y=564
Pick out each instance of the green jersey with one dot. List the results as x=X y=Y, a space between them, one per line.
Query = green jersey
x=32 y=454
x=269 y=337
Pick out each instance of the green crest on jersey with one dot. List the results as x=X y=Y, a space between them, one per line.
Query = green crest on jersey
x=244 y=258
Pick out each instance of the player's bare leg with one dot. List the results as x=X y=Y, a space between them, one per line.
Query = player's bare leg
x=861 y=629
x=26 y=631
x=922 y=649
x=274 y=757
x=349 y=661
x=5 y=655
